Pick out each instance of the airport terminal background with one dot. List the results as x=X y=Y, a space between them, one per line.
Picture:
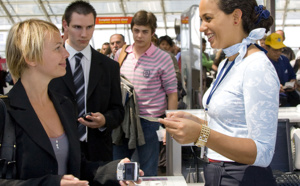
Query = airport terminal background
x=169 y=14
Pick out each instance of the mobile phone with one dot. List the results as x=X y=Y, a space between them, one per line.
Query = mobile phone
x=86 y=114
x=128 y=171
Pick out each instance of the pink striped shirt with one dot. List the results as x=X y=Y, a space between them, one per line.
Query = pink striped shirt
x=153 y=76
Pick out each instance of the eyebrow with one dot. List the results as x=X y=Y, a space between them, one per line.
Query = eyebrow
x=141 y=29
x=205 y=14
x=83 y=26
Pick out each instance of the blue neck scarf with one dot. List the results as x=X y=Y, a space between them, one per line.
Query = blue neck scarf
x=241 y=48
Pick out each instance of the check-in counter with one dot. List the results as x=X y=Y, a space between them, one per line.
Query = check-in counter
x=174 y=153
x=291 y=113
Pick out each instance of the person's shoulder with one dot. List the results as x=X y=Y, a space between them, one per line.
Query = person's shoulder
x=103 y=58
x=284 y=58
x=257 y=58
x=257 y=55
x=161 y=51
x=163 y=54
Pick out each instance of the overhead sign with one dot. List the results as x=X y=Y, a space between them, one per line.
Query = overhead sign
x=113 y=20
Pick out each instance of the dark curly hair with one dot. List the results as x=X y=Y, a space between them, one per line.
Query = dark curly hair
x=166 y=38
x=249 y=16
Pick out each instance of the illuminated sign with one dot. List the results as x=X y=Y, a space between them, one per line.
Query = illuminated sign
x=113 y=20
x=184 y=20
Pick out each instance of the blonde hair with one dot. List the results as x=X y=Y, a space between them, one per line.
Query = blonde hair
x=25 y=42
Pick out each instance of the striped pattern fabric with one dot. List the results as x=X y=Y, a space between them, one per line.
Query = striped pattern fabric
x=153 y=76
x=79 y=86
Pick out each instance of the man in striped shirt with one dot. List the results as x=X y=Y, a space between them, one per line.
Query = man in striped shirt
x=152 y=73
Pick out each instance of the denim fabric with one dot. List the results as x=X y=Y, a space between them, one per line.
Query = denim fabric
x=147 y=154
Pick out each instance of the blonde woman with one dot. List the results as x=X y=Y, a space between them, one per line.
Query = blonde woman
x=48 y=149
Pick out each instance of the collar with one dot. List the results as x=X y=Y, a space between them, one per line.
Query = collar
x=19 y=99
x=87 y=52
x=148 y=52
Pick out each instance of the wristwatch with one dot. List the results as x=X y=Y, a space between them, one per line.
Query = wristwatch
x=202 y=139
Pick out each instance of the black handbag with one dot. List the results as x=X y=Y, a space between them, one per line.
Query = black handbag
x=7 y=142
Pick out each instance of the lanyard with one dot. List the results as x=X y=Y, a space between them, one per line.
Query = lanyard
x=218 y=81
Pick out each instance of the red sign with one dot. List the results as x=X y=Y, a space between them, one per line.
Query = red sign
x=2 y=63
x=184 y=20
x=113 y=20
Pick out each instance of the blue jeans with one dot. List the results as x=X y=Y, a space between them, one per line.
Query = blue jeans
x=147 y=154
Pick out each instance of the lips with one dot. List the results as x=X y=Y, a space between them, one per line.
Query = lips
x=209 y=36
x=63 y=64
x=83 y=41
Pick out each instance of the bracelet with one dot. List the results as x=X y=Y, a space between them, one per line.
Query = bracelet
x=202 y=139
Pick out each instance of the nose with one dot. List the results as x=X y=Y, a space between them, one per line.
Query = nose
x=83 y=33
x=202 y=26
x=65 y=53
x=139 y=34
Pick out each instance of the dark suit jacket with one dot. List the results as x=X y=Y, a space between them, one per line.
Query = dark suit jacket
x=104 y=96
x=36 y=161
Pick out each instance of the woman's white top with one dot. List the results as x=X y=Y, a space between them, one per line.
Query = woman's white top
x=245 y=105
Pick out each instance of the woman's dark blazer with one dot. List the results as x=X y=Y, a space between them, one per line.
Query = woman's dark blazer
x=36 y=161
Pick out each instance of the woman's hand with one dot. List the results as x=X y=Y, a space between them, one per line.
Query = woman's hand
x=130 y=183
x=179 y=114
x=181 y=129
x=67 y=180
x=186 y=115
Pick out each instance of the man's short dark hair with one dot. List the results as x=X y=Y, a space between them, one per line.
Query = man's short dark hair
x=80 y=7
x=144 y=18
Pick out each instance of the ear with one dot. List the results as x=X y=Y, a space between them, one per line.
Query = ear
x=237 y=16
x=153 y=33
x=29 y=62
x=65 y=25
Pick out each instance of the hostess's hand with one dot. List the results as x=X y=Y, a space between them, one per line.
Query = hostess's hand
x=186 y=115
x=181 y=129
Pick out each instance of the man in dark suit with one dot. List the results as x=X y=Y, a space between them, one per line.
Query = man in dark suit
x=101 y=94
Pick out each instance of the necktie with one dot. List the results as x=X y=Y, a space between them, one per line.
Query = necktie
x=79 y=87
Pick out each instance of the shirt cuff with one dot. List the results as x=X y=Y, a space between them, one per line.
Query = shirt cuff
x=101 y=129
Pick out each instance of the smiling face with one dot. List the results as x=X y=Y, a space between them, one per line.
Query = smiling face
x=80 y=30
x=216 y=25
x=54 y=56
